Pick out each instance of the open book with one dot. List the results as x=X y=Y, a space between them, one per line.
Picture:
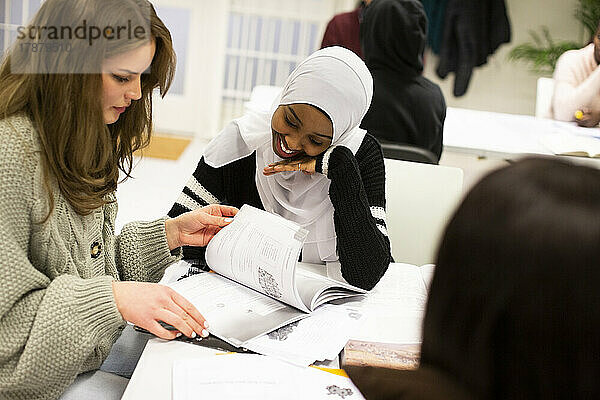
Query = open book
x=567 y=139
x=258 y=284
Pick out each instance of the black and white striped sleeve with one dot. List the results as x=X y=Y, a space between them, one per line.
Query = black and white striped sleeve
x=378 y=214
x=357 y=192
x=204 y=187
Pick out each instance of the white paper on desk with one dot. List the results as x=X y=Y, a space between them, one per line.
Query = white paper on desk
x=574 y=129
x=255 y=377
x=393 y=311
x=491 y=131
x=321 y=336
x=569 y=144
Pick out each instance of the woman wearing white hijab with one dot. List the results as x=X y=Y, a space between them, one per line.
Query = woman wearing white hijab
x=308 y=161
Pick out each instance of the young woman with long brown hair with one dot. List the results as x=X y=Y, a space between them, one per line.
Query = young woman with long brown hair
x=75 y=103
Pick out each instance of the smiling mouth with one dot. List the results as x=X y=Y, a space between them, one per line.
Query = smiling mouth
x=282 y=150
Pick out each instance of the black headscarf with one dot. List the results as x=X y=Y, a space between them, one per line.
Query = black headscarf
x=406 y=108
x=395 y=33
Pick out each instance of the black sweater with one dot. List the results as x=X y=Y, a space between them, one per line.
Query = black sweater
x=357 y=192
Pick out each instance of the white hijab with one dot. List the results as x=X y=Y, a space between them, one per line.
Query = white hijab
x=336 y=81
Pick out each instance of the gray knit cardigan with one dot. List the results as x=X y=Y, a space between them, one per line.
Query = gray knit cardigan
x=58 y=316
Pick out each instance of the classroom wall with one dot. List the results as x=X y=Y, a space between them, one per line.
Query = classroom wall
x=502 y=85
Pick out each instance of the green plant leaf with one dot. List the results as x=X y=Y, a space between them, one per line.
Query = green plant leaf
x=543 y=53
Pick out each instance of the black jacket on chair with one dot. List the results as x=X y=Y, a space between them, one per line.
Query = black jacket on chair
x=473 y=29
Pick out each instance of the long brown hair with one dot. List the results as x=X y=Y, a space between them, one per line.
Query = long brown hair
x=60 y=89
x=514 y=308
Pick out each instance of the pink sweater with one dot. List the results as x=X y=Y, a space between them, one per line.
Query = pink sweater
x=576 y=83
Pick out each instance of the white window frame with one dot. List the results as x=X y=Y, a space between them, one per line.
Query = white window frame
x=196 y=111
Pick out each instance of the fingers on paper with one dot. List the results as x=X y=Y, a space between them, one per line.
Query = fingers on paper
x=190 y=313
x=586 y=117
x=157 y=329
x=178 y=320
x=209 y=220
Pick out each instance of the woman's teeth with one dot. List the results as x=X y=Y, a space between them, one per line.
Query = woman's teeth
x=284 y=148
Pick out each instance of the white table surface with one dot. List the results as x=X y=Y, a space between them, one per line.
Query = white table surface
x=152 y=378
x=493 y=134
x=505 y=136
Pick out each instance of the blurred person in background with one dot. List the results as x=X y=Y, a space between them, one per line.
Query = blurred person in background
x=577 y=85
x=343 y=29
x=407 y=108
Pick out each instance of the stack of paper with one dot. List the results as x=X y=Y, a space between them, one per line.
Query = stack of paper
x=319 y=337
x=391 y=313
x=566 y=138
x=254 y=377
x=572 y=145
x=394 y=309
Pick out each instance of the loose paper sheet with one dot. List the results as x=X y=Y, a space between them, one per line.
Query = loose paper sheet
x=255 y=377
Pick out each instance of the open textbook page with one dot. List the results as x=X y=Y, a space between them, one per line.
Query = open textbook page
x=259 y=250
x=235 y=312
x=259 y=285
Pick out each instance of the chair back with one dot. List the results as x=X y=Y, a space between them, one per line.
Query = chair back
x=262 y=98
x=420 y=199
x=543 y=98
x=407 y=152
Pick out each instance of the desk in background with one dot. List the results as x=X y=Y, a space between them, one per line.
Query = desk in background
x=475 y=141
x=480 y=141
x=495 y=135
x=479 y=133
x=499 y=135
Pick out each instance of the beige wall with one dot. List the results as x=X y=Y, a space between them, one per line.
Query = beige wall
x=502 y=85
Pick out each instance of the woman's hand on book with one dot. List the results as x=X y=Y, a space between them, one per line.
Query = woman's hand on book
x=197 y=228
x=305 y=164
x=146 y=304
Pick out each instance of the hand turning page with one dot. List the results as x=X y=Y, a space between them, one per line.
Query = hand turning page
x=259 y=285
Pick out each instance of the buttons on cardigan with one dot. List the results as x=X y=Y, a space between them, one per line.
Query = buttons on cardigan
x=96 y=249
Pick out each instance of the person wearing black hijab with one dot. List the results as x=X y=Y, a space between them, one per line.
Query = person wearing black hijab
x=514 y=308
x=407 y=108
